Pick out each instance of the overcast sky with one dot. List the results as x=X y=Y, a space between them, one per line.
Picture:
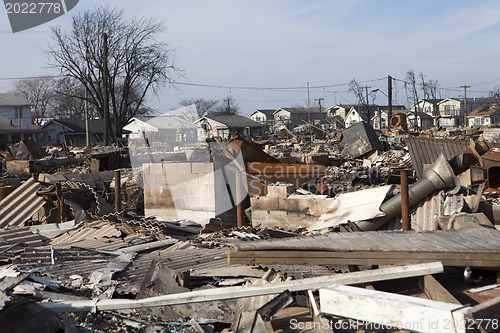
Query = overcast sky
x=288 y=43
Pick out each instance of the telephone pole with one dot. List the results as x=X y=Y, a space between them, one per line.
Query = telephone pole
x=105 y=82
x=319 y=102
x=465 y=103
x=389 y=96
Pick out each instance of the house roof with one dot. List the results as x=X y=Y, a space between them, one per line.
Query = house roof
x=169 y=122
x=6 y=124
x=299 y=110
x=13 y=100
x=234 y=120
x=267 y=112
x=485 y=110
x=77 y=126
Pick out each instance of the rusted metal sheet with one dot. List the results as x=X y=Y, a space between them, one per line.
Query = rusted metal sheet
x=290 y=173
x=21 y=204
x=426 y=151
x=251 y=152
x=491 y=163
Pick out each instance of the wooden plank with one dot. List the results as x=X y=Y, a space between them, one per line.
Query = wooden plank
x=248 y=291
x=435 y=290
x=392 y=310
x=362 y=258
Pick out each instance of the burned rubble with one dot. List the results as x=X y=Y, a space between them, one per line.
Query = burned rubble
x=354 y=230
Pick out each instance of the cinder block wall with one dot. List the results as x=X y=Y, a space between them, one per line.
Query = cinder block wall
x=179 y=190
x=290 y=212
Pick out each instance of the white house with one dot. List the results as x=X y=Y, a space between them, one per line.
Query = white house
x=162 y=129
x=429 y=106
x=354 y=116
x=484 y=115
x=16 y=109
x=264 y=117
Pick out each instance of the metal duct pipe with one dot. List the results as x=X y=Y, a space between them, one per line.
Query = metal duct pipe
x=441 y=175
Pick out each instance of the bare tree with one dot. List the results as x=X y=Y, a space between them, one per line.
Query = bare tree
x=366 y=99
x=203 y=107
x=430 y=88
x=39 y=91
x=136 y=62
x=227 y=106
x=412 y=95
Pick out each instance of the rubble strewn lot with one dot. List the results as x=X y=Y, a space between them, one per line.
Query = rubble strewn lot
x=286 y=235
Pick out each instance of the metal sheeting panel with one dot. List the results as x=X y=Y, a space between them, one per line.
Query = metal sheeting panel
x=426 y=151
x=21 y=204
x=97 y=237
x=425 y=213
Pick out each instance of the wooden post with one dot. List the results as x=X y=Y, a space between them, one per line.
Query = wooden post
x=118 y=197
x=239 y=208
x=405 y=202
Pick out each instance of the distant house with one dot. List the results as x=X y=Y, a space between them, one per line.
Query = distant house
x=340 y=110
x=484 y=115
x=429 y=106
x=294 y=117
x=216 y=125
x=16 y=109
x=354 y=116
x=264 y=117
x=450 y=112
x=162 y=129
x=422 y=122
x=384 y=115
x=10 y=133
x=71 y=131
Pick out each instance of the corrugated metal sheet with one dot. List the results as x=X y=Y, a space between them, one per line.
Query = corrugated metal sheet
x=426 y=151
x=21 y=204
x=425 y=213
x=15 y=241
x=103 y=208
x=96 y=236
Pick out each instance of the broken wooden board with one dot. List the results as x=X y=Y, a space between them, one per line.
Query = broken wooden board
x=248 y=291
x=478 y=247
x=390 y=310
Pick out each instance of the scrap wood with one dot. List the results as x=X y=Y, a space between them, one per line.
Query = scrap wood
x=478 y=247
x=393 y=310
x=248 y=291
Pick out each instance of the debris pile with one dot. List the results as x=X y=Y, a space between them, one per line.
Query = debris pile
x=362 y=231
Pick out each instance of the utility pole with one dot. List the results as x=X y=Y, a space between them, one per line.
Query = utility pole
x=319 y=102
x=87 y=141
x=105 y=82
x=389 y=96
x=465 y=103
x=368 y=110
x=309 y=110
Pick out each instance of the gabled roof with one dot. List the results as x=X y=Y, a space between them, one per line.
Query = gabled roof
x=299 y=110
x=267 y=112
x=169 y=122
x=485 y=110
x=13 y=100
x=77 y=126
x=361 y=114
x=235 y=121
x=450 y=99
